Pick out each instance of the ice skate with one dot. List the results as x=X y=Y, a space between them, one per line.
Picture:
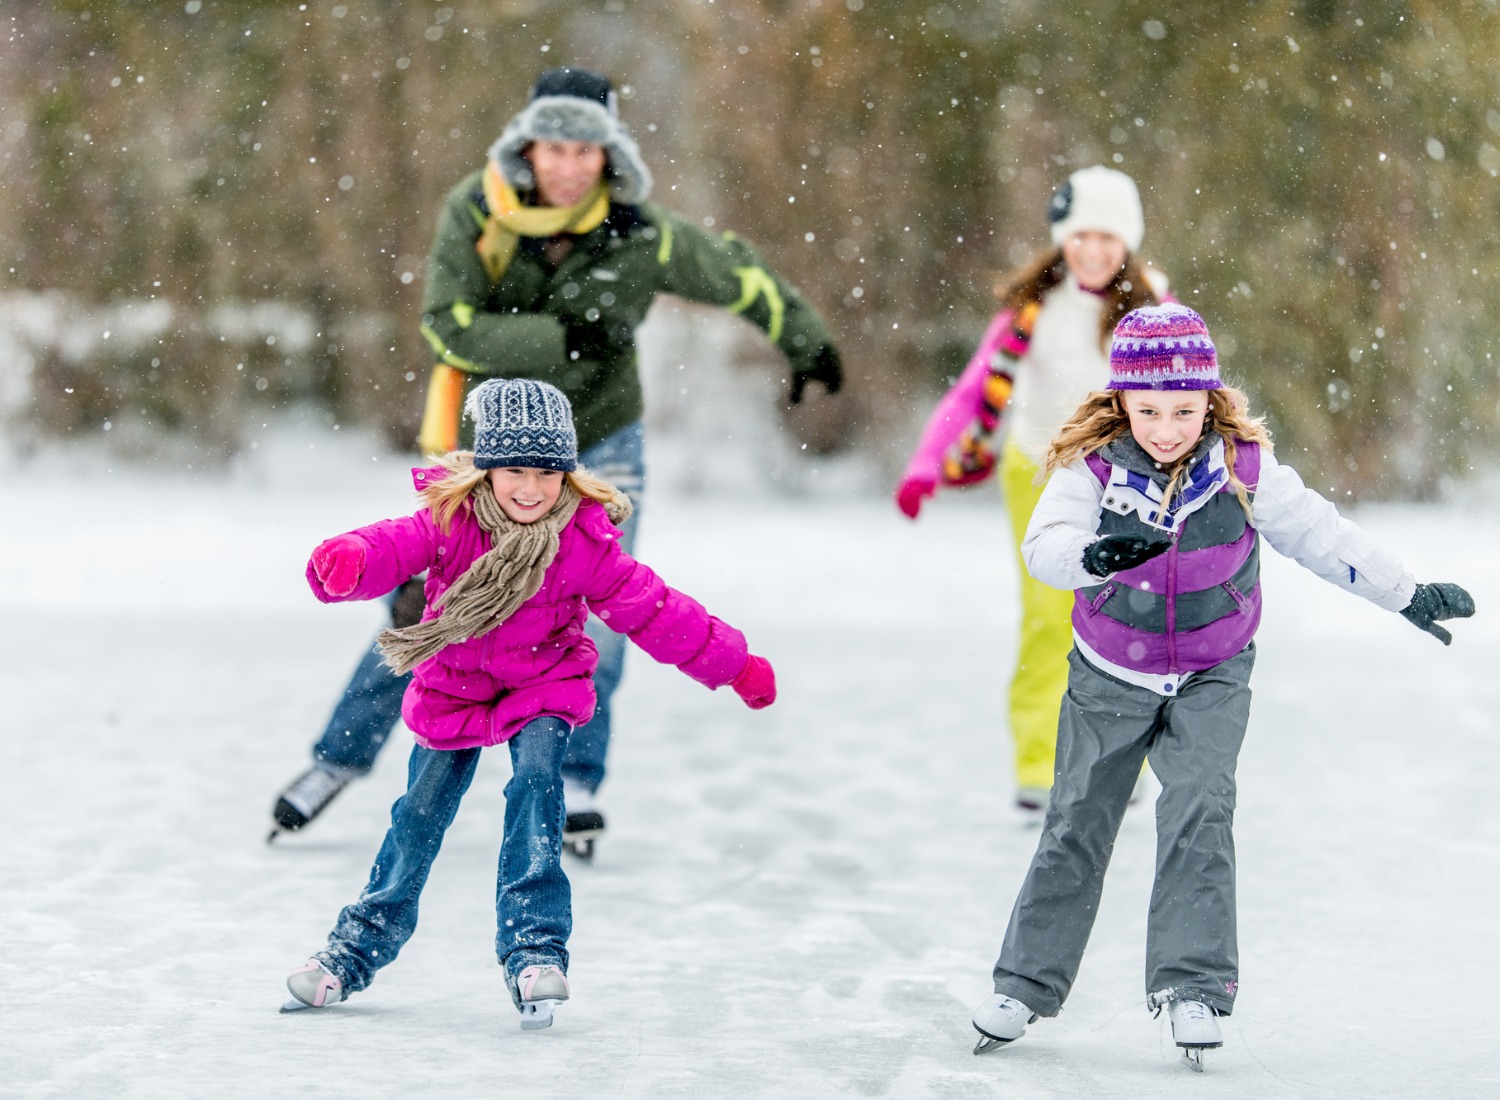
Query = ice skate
x=1195 y=1028
x=582 y=821
x=306 y=797
x=1000 y=1020
x=312 y=986
x=538 y=990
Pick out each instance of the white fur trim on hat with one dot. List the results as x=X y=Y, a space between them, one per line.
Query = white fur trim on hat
x=572 y=118
x=1100 y=199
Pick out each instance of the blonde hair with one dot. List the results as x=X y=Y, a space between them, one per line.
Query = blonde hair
x=446 y=496
x=1102 y=419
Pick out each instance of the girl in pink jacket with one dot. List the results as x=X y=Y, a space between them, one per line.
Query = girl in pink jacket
x=519 y=544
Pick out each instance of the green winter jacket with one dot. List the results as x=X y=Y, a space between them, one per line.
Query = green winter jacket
x=575 y=327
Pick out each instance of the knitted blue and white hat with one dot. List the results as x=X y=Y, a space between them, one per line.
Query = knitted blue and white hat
x=521 y=422
x=1165 y=347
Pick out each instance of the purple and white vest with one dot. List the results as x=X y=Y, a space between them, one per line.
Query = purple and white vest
x=1197 y=604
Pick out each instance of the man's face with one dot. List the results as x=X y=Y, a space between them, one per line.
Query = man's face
x=565 y=171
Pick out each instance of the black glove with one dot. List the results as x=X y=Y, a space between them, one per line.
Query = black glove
x=1431 y=602
x=826 y=368
x=1114 y=553
x=598 y=340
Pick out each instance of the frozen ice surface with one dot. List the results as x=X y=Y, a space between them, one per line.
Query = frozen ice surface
x=800 y=902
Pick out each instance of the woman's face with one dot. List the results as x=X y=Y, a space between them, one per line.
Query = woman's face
x=1094 y=258
x=525 y=493
x=565 y=171
x=1166 y=423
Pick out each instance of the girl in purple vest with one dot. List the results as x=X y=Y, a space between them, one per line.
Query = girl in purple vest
x=1161 y=488
x=519 y=544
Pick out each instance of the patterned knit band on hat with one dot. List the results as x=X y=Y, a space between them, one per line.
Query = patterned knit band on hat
x=1165 y=347
x=521 y=422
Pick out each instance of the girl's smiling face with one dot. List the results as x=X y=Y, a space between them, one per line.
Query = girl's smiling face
x=1094 y=258
x=526 y=493
x=1166 y=423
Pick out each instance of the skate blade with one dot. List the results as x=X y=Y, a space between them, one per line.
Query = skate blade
x=580 y=847
x=989 y=1042
x=536 y=1015
x=1192 y=1057
x=294 y=1005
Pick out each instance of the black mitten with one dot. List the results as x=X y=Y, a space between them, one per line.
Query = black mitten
x=1114 y=553
x=1431 y=602
x=827 y=368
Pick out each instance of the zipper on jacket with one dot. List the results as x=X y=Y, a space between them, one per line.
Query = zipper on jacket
x=1172 y=603
x=1098 y=601
x=1239 y=598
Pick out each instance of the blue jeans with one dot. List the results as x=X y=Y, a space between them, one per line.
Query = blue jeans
x=533 y=901
x=371 y=704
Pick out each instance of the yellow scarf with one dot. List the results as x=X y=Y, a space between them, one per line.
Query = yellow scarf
x=510 y=220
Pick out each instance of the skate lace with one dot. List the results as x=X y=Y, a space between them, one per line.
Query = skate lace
x=1193 y=1010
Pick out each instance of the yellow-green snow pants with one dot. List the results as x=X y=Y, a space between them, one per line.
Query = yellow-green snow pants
x=1041 y=675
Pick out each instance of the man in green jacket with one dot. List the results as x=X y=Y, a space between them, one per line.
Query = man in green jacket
x=543 y=265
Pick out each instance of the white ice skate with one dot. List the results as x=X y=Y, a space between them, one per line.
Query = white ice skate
x=312 y=986
x=1000 y=1020
x=539 y=990
x=1195 y=1028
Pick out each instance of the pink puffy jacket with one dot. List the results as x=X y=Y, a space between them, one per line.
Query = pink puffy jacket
x=539 y=661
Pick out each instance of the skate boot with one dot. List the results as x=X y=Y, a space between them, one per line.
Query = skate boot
x=1000 y=1020
x=537 y=991
x=312 y=986
x=1195 y=1028
x=582 y=821
x=306 y=797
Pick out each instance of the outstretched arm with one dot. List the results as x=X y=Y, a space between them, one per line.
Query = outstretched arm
x=725 y=270
x=366 y=563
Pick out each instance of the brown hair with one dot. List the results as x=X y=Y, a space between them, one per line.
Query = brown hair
x=446 y=496
x=1102 y=419
x=1128 y=290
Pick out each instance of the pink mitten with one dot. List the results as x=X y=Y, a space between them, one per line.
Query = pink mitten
x=338 y=563
x=911 y=492
x=756 y=683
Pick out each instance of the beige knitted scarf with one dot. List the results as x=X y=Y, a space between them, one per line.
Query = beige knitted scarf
x=499 y=580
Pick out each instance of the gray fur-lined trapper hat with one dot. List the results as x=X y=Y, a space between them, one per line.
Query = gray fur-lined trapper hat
x=574 y=105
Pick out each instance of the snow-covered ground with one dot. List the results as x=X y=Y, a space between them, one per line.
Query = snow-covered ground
x=801 y=902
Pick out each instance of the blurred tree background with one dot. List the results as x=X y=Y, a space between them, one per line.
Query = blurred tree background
x=213 y=209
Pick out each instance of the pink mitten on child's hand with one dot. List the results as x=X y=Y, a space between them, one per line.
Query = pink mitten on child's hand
x=911 y=492
x=338 y=564
x=756 y=683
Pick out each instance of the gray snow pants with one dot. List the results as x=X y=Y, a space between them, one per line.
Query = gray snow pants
x=1192 y=741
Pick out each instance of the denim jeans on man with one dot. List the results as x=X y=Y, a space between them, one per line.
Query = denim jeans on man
x=371 y=703
x=533 y=901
